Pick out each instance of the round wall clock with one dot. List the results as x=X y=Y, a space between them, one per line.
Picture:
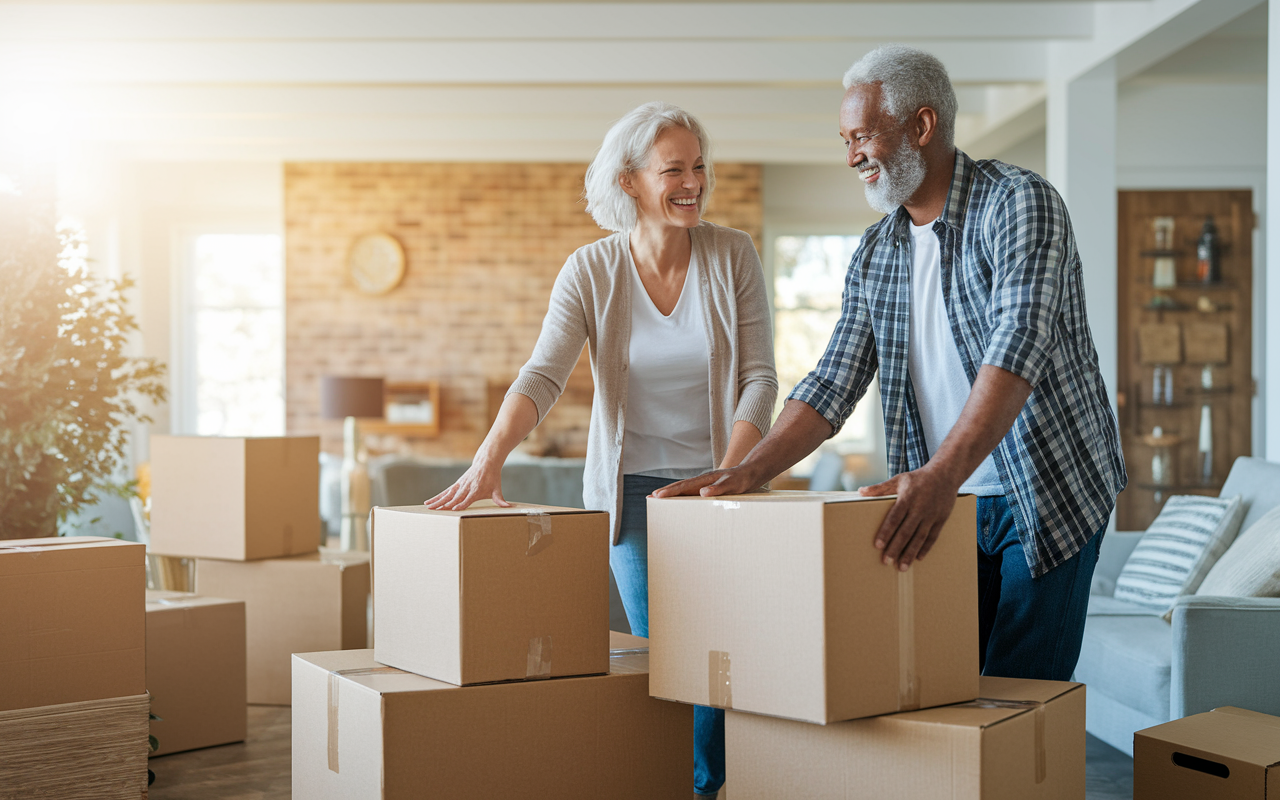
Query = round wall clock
x=375 y=263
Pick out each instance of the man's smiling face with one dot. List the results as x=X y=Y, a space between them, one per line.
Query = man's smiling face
x=880 y=148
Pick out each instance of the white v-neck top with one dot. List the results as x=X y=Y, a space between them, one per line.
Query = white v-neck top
x=668 y=424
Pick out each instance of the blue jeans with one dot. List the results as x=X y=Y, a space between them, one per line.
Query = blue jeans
x=630 y=562
x=1028 y=627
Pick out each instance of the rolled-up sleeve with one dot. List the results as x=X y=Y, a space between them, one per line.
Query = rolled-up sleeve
x=564 y=332
x=849 y=363
x=1031 y=244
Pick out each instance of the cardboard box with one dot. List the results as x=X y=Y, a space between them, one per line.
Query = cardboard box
x=777 y=603
x=88 y=750
x=364 y=731
x=73 y=624
x=235 y=498
x=1024 y=740
x=1227 y=753
x=292 y=605
x=195 y=670
x=491 y=594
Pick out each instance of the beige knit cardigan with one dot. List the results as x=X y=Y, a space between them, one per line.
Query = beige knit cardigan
x=591 y=302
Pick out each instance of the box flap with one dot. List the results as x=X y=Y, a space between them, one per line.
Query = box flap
x=63 y=553
x=158 y=600
x=1235 y=734
x=783 y=496
x=487 y=508
x=1001 y=699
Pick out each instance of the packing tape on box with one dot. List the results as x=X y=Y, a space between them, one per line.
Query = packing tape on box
x=538 y=663
x=719 y=681
x=908 y=680
x=539 y=532
x=40 y=548
x=334 y=676
x=1038 y=713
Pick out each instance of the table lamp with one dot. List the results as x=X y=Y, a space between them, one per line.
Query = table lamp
x=346 y=399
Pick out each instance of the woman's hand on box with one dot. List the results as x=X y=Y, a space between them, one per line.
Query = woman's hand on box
x=481 y=481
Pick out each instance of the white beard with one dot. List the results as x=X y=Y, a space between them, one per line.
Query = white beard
x=900 y=177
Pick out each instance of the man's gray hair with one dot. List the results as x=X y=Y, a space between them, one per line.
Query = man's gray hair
x=625 y=149
x=909 y=79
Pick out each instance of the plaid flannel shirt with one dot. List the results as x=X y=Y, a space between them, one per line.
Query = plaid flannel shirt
x=1014 y=294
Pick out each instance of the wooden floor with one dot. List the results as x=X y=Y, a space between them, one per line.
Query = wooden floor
x=259 y=769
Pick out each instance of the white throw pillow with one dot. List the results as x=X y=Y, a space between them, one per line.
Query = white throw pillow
x=1251 y=566
x=1175 y=554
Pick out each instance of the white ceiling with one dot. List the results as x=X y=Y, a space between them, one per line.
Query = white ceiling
x=543 y=81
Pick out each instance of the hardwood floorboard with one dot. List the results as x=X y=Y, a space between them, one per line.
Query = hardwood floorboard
x=260 y=767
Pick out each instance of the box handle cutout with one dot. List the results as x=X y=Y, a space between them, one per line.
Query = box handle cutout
x=1214 y=768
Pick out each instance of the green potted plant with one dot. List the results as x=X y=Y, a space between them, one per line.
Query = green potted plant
x=67 y=387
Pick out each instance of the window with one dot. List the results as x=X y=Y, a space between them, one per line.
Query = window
x=231 y=354
x=809 y=273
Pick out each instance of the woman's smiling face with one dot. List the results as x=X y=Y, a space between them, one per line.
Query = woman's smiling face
x=668 y=190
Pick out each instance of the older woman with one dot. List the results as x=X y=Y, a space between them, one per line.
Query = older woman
x=675 y=314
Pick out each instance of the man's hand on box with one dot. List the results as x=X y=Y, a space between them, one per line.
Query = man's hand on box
x=713 y=484
x=925 y=500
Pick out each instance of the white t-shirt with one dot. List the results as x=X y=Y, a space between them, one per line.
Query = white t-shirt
x=933 y=361
x=668 y=418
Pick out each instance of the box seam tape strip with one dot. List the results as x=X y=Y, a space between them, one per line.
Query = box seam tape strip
x=719 y=681
x=908 y=681
x=1037 y=709
x=538 y=663
x=539 y=531
x=334 y=676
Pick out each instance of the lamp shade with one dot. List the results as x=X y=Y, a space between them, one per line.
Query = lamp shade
x=350 y=397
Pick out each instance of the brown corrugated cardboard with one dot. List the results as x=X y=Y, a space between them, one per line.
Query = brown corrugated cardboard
x=72 y=625
x=363 y=731
x=195 y=670
x=491 y=594
x=292 y=605
x=1024 y=740
x=88 y=750
x=235 y=498
x=1227 y=753
x=777 y=603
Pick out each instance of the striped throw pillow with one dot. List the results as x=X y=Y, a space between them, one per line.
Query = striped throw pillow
x=1174 y=555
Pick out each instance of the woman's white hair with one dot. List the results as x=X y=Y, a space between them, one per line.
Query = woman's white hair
x=909 y=79
x=626 y=148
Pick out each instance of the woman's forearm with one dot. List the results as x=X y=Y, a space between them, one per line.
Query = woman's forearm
x=517 y=417
x=744 y=437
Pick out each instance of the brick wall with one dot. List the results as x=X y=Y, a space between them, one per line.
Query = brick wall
x=483 y=244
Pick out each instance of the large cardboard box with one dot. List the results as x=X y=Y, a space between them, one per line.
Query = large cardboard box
x=1226 y=753
x=491 y=594
x=363 y=731
x=72 y=620
x=1023 y=740
x=235 y=498
x=777 y=603
x=87 y=750
x=292 y=605
x=195 y=670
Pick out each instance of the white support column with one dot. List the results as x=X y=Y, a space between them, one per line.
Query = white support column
x=1081 y=149
x=1269 y=286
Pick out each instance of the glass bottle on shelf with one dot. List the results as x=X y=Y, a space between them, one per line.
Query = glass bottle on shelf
x=1162 y=470
x=1206 y=445
x=1208 y=269
x=1163 y=275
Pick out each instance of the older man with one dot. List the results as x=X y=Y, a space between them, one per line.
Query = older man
x=968 y=298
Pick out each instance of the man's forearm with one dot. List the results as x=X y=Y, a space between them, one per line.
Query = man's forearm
x=996 y=399
x=797 y=433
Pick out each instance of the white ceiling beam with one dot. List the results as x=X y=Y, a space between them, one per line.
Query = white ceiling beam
x=1138 y=35
x=523 y=21
x=485 y=62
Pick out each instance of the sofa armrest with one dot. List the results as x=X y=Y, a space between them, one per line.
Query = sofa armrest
x=1225 y=652
x=1116 y=547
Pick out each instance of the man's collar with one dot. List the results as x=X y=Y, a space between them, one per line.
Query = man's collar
x=957 y=196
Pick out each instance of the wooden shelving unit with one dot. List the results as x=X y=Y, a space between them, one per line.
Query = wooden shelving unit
x=404 y=405
x=1142 y=303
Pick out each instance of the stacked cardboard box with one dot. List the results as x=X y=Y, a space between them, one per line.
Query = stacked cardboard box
x=73 y=702
x=492 y=673
x=248 y=510
x=195 y=670
x=777 y=608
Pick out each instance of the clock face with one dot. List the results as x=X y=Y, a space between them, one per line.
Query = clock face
x=375 y=263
